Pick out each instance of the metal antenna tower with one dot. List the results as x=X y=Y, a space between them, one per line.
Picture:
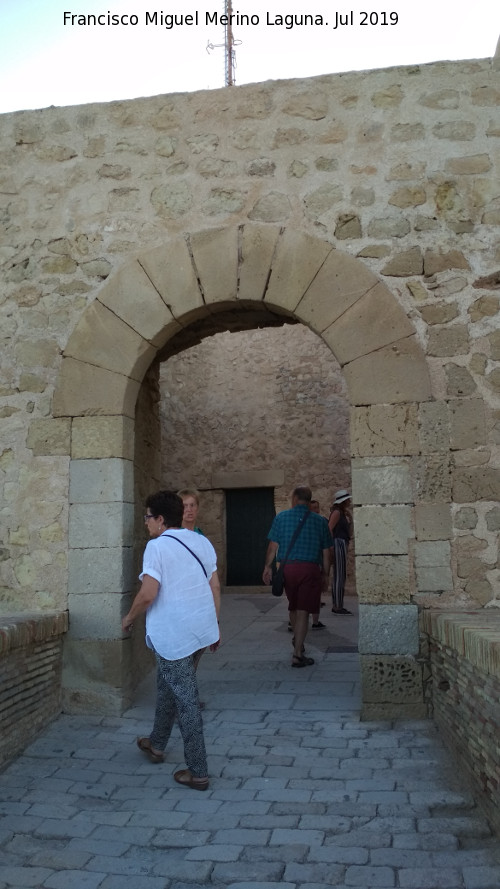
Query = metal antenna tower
x=228 y=45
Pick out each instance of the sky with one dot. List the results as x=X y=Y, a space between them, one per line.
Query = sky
x=44 y=61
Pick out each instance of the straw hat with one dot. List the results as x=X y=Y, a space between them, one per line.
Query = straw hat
x=341 y=496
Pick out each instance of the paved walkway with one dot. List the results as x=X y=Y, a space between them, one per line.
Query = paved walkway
x=302 y=795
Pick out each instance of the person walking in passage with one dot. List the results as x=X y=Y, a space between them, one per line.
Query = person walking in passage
x=340 y=525
x=180 y=593
x=307 y=567
x=316 y=623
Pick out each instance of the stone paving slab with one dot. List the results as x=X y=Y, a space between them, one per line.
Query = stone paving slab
x=302 y=793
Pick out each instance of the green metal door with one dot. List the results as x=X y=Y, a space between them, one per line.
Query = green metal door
x=249 y=514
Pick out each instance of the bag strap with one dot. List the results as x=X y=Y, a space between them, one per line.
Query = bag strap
x=296 y=533
x=189 y=550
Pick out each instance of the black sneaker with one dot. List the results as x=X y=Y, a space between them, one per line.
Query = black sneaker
x=318 y=626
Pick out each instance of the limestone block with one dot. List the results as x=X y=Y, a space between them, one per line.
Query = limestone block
x=468 y=423
x=432 y=563
x=381 y=429
x=96 y=615
x=374 y=321
x=390 y=227
x=101 y=481
x=102 y=339
x=224 y=200
x=411 y=196
x=459 y=381
x=455 y=130
x=171 y=272
x=435 y=262
x=439 y=313
x=434 y=427
x=444 y=98
x=396 y=373
x=383 y=580
x=407 y=132
x=215 y=255
x=377 y=480
x=391 y=679
x=173 y=200
x=312 y=105
x=348 y=226
x=297 y=261
x=37 y=353
x=468 y=166
x=406 y=263
x=433 y=477
x=484 y=307
x=476 y=483
x=493 y=519
x=258 y=243
x=388 y=629
x=93 y=675
x=383 y=711
x=130 y=294
x=383 y=529
x=322 y=200
x=466 y=518
x=95 y=525
x=94 y=437
x=84 y=389
x=448 y=341
x=49 y=436
x=433 y=521
x=339 y=283
x=272 y=207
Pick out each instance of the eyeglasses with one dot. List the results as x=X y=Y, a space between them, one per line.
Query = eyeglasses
x=149 y=516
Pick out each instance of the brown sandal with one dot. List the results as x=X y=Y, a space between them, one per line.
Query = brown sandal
x=144 y=744
x=188 y=780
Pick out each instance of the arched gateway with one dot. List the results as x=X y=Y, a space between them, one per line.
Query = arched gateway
x=209 y=280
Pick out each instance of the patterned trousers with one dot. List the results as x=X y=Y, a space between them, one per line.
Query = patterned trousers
x=339 y=571
x=177 y=695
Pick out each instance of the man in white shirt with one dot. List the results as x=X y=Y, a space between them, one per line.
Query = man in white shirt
x=180 y=594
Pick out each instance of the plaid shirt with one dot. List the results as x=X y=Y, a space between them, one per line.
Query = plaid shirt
x=312 y=540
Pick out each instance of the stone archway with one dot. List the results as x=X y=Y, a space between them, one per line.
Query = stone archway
x=156 y=298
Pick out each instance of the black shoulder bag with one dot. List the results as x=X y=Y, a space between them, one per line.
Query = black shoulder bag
x=278 y=581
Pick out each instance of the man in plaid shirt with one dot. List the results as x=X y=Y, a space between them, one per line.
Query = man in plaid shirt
x=307 y=567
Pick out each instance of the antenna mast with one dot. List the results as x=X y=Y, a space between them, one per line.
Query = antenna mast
x=229 y=45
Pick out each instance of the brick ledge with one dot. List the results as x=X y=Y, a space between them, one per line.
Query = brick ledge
x=23 y=629
x=475 y=635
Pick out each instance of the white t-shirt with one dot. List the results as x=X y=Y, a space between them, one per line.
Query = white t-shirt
x=182 y=618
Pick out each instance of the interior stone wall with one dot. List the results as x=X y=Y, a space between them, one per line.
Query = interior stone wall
x=271 y=399
x=364 y=205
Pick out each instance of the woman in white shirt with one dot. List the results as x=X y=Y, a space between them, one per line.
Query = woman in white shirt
x=180 y=594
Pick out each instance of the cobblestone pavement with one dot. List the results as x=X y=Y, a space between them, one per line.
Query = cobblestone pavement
x=302 y=793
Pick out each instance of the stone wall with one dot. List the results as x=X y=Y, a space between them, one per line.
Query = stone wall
x=464 y=652
x=30 y=677
x=365 y=206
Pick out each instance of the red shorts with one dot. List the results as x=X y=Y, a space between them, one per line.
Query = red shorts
x=303 y=586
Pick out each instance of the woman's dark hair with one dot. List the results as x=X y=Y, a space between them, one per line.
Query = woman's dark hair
x=167 y=504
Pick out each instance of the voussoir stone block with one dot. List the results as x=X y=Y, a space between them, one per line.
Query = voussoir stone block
x=103 y=339
x=84 y=389
x=215 y=255
x=396 y=373
x=388 y=629
x=297 y=260
x=383 y=529
x=383 y=580
x=381 y=429
x=258 y=243
x=49 y=437
x=377 y=480
x=130 y=294
x=94 y=437
x=106 y=525
x=340 y=282
x=374 y=321
x=170 y=269
x=102 y=570
x=101 y=481
x=391 y=679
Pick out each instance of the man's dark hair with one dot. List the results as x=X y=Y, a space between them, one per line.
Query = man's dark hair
x=167 y=504
x=302 y=493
